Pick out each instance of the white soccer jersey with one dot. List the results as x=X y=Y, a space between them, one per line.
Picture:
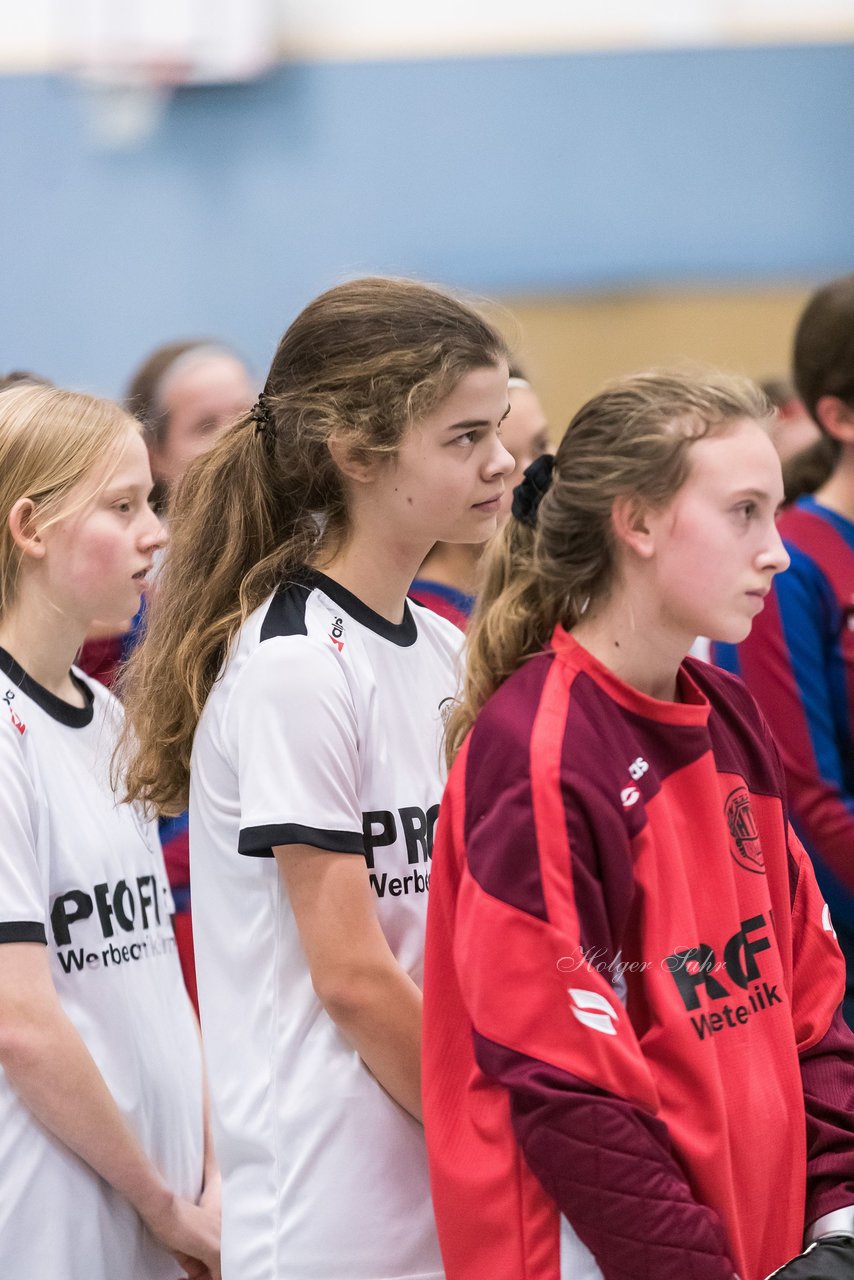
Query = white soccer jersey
x=323 y=729
x=85 y=875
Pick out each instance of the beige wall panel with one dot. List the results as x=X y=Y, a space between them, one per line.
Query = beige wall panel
x=572 y=345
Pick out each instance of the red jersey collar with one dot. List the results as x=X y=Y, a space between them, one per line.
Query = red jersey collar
x=693 y=708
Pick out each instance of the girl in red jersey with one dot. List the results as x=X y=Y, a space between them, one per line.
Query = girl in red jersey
x=635 y=1067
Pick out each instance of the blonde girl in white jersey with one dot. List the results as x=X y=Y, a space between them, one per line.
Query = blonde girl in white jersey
x=103 y=1167
x=282 y=650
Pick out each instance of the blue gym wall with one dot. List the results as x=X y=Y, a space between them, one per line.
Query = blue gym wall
x=500 y=175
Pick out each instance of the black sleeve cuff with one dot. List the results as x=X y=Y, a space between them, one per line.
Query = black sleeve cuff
x=258 y=842
x=23 y=931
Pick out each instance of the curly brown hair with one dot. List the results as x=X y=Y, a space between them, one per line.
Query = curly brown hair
x=358 y=365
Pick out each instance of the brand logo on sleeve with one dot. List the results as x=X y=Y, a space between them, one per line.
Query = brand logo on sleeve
x=827 y=923
x=629 y=796
x=336 y=634
x=593 y=1010
x=638 y=768
x=18 y=723
x=744 y=836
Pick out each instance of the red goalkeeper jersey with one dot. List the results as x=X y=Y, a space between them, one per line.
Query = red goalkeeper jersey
x=634 y=1065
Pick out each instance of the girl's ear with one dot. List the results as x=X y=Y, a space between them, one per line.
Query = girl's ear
x=632 y=527
x=22 y=525
x=836 y=417
x=348 y=461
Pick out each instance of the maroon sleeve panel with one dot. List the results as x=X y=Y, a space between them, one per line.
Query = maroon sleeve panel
x=827 y=1070
x=608 y=1166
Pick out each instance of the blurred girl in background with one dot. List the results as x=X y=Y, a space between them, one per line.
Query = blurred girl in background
x=798 y=660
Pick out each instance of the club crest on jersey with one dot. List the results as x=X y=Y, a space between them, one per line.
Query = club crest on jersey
x=336 y=634
x=744 y=837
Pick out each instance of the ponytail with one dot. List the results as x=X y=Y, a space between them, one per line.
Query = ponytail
x=235 y=532
x=515 y=615
x=808 y=470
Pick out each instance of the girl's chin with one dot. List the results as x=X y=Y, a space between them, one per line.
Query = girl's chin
x=113 y=624
x=733 y=634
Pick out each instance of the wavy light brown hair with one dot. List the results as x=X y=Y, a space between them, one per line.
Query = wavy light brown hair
x=358 y=365
x=49 y=441
x=633 y=439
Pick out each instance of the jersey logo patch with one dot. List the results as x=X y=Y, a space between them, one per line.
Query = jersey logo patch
x=593 y=1010
x=18 y=723
x=336 y=634
x=827 y=923
x=744 y=838
x=629 y=796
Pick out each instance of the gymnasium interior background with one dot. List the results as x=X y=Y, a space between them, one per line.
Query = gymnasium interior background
x=633 y=183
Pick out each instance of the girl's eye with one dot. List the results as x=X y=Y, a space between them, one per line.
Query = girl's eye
x=468 y=437
x=123 y=506
x=746 y=511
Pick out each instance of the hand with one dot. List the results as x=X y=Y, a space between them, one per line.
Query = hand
x=191 y=1233
x=829 y=1259
x=211 y=1201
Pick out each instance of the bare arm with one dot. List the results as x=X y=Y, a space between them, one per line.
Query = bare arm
x=357 y=978
x=211 y=1196
x=49 y=1067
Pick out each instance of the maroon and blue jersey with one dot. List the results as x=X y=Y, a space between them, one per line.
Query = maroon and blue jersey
x=634 y=1063
x=798 y=662
x=447 y=601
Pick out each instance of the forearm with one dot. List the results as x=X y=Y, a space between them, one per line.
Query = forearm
x=56 y=1078
x=355 y=974
x=210 y=1172
x=379 y=1013
x=827 y=1071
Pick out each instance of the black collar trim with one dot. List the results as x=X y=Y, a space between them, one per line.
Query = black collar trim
x=403 y=633
x=56 y=708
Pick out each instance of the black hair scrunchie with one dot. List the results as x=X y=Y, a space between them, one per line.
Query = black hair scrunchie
x=260 y=415
x=528 y=495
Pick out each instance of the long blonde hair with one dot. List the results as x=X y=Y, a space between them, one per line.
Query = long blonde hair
x=357 y=366
x=49 y=441
x=633 y=439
